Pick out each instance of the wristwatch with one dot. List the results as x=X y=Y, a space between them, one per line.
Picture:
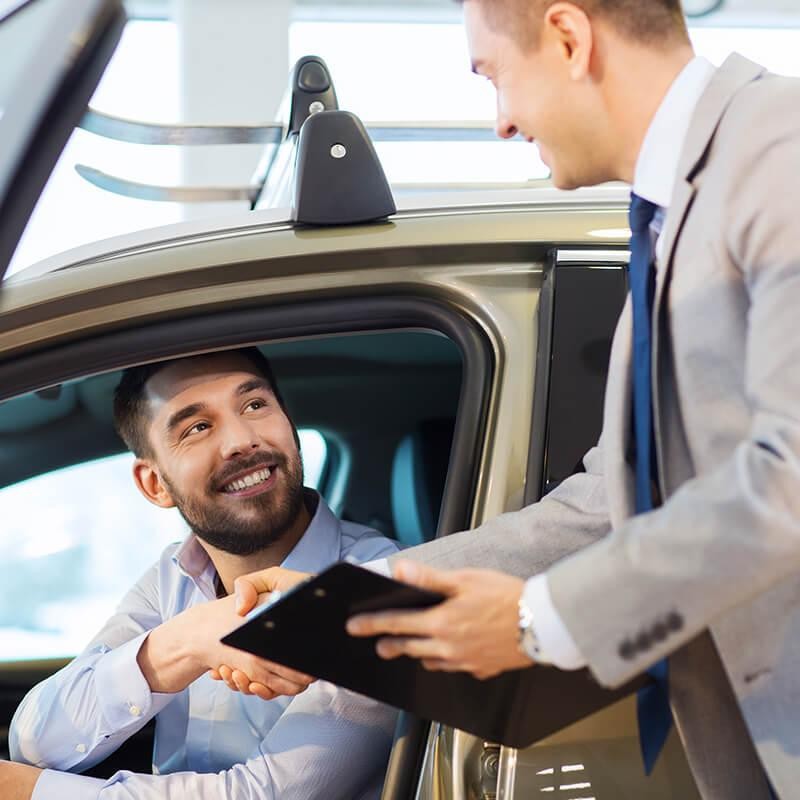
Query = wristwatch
x=528 y=640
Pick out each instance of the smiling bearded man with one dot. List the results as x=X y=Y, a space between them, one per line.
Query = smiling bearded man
x=211 y=437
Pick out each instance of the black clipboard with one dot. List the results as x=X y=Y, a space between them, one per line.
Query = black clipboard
x=305 y=630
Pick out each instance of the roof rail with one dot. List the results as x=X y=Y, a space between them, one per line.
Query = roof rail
x=311 y=92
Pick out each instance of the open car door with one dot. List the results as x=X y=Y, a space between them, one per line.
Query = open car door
x=54 y=53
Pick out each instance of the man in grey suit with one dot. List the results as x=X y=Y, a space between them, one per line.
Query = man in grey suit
x=703 y=571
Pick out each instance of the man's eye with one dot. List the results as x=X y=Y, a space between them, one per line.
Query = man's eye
x=255 y=405
x=198 y=427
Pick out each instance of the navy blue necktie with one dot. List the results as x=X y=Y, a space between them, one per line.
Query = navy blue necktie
x=653 y=711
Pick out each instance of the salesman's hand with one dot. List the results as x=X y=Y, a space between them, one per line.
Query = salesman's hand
x=474 y=630
x=17 y=780
x=250 y=589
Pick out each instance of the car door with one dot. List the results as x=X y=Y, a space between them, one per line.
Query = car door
x=582 y=293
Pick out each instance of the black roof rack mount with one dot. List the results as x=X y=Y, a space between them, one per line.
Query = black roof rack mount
x=339 y=179
x=312 y=91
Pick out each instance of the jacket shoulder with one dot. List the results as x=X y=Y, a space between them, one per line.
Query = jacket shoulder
x=764 y=111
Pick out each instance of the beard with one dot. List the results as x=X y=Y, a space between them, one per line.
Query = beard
x=268 y=515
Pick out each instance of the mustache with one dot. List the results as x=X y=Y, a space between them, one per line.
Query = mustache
x=264 y=458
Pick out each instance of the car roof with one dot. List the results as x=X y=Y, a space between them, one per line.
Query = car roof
x=486 y=201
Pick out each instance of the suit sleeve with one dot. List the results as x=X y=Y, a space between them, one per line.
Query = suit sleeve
x=527 y=542
x=733 y=533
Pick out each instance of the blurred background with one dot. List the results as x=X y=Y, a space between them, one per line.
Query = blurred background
x=227 y=63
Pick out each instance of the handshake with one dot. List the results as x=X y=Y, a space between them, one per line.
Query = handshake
x=246 y=673
x=475 y=630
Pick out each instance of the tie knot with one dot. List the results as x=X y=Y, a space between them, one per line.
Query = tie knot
x=641 y=213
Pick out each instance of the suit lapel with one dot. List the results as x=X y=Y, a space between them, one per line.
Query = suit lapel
x=732 y=76
x=729 y=79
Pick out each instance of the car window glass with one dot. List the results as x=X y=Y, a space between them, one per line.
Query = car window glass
x=74 y=540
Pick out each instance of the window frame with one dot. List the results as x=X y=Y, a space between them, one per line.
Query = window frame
x=394 y=308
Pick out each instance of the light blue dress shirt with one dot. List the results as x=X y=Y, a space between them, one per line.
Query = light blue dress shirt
x=210 y=742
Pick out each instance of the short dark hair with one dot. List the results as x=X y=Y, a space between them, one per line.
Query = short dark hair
x=130 y=403
x=648 y=21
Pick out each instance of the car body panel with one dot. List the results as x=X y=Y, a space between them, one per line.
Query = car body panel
x=244 y=255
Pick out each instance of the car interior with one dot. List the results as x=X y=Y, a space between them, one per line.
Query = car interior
x=384 y=403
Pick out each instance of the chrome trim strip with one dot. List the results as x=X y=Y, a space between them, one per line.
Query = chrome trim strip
x=427 y=772
x=138 y=132
x=135 y=132
x=507 y=773
x=461 y=131
x=593 y=257
x=169 y=194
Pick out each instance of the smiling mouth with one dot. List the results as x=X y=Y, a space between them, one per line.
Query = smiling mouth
x=252 y=480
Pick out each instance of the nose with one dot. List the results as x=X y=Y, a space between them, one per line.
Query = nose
x=238 y=438
x=505 y=129
x=503 y=125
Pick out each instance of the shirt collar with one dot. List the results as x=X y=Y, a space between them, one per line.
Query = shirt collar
x=321 y=544
x=191 y=558
x=657 y=165
x=319 y=547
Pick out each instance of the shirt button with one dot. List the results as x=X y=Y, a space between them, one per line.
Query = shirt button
x=135 y=711
x=81 y=748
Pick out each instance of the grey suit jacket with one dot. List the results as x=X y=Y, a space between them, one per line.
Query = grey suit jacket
x=712 y=578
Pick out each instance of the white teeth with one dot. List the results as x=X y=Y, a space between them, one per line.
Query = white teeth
x=249 y=480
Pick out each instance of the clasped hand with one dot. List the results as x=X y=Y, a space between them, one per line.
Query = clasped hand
x=273 y=680
x=474 y=630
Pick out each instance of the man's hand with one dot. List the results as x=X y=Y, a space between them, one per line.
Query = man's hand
x=17 y=780
x=252 y=588
x=178 y=652
x=476 y=629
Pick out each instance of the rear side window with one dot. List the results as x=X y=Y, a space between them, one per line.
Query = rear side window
x=74 y=540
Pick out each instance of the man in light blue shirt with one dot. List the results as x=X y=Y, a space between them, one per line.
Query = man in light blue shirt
x=211 y=436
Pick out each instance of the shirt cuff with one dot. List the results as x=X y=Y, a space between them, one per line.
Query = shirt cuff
x=381 y=566
x=123 y=694
x=53 y=785
x=557 y=647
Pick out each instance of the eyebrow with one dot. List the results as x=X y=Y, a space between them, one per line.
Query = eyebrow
x=252 y=385
x=183 y=414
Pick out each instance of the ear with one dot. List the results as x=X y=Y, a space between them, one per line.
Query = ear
x=569 y=28
x=148 y=481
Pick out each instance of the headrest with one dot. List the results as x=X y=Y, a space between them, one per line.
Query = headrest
x=418 y=477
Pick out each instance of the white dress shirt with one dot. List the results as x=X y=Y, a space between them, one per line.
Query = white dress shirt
x=654 y=180
x=210 y=742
